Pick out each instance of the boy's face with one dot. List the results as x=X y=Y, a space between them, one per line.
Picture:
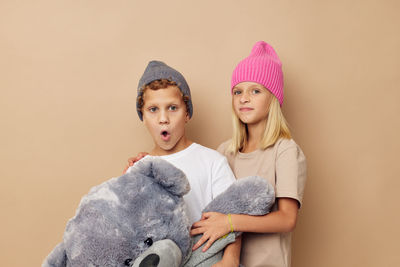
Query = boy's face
x=165 y=116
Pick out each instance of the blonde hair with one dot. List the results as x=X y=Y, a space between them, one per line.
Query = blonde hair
x=275 y=128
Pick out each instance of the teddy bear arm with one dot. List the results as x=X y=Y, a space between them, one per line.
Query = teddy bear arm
x=251 y=195
x=212 y=255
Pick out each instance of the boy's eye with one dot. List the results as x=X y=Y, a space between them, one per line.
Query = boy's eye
x=173 y=108
x=152 y=109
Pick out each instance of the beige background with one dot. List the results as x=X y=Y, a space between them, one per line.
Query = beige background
x=69 y=71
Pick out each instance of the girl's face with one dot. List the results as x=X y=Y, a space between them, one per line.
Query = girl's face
x=251 y=102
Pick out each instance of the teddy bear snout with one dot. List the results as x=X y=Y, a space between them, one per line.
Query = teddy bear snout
x=163 y=253
x=151 y=260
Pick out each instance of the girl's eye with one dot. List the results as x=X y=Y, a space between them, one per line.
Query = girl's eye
x=173 y=108
x=256 y=91
x=153 y=109
x=237 y=92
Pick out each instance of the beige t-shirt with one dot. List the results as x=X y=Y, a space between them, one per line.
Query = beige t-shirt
x=284 y=166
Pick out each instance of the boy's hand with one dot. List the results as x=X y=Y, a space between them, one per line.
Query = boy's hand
x=212 y=225
x=132 y=160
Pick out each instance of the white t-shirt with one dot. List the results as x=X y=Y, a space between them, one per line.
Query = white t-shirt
x=208 y=173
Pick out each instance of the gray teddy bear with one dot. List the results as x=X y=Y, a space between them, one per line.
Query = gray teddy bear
x=139 y=219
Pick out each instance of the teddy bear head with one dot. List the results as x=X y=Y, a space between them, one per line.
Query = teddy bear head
x=121 y=218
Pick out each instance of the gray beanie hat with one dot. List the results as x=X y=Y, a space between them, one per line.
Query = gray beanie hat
x=157 y=70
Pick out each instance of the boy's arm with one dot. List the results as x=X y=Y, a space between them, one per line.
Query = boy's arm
x=231 y=254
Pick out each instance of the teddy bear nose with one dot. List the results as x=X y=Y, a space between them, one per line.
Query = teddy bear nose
x=151 y=260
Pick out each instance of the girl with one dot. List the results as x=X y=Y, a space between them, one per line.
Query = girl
x=261 y=145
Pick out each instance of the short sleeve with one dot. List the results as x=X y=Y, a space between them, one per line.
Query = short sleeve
x=222 y=176
x=290 y=172
x=222 y=147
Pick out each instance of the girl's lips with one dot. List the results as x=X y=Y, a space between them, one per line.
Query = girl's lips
x=246 y=109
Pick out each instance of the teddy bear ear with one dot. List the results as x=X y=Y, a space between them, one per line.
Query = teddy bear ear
x=56 y=258
x=166 y=174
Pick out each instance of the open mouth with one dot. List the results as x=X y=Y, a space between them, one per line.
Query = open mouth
x=165 y=135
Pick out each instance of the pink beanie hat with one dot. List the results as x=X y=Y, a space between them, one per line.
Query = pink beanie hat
x=261 y=66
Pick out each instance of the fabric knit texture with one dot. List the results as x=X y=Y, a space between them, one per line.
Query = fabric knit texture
x=157 y=70
x=261 y=66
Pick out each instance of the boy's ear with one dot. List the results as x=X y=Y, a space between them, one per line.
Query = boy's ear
x=141 y=110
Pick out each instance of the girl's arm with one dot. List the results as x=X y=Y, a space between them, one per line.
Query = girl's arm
x=231 y=254
x=215 y=225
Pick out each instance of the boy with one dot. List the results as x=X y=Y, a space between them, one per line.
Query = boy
x=164 y=105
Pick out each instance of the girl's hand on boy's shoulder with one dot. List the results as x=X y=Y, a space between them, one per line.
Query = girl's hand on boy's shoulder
x=212 y=225
x=133 y=160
